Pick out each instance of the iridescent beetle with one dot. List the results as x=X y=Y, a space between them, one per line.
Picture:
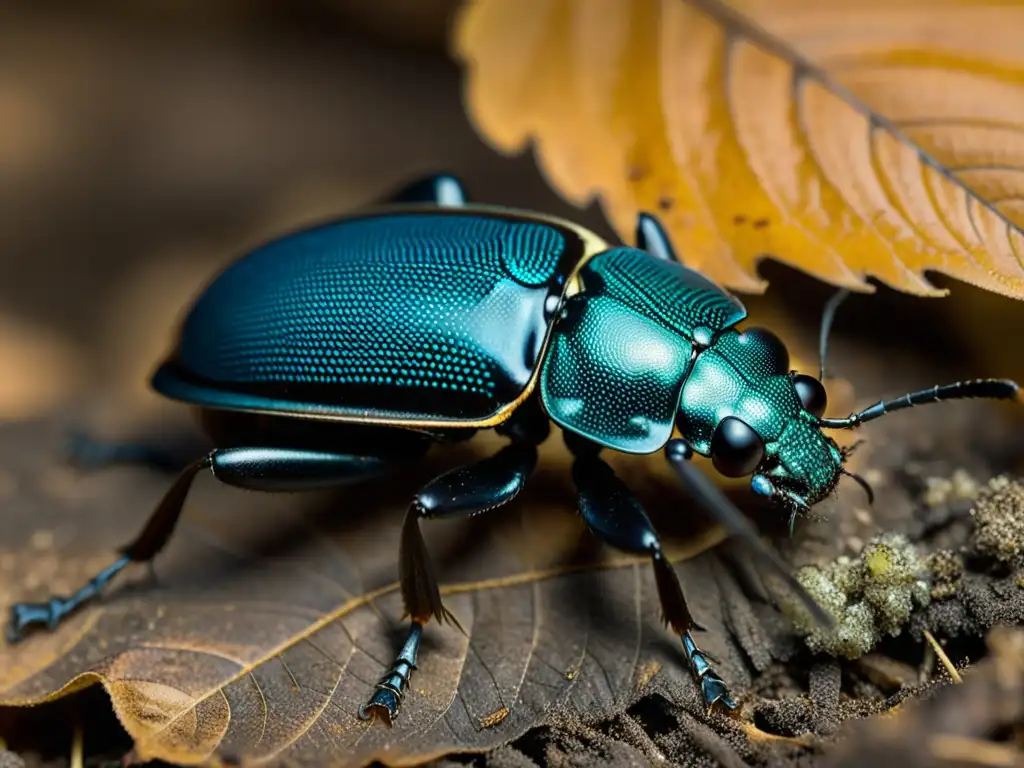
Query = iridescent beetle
x=343 y=350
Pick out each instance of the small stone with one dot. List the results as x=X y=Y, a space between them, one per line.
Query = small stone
x=943 y=490
x=863 y=516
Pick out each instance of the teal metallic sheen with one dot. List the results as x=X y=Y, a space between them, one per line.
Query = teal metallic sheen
x=746 y=375
x=434 y=315
x=622 y=348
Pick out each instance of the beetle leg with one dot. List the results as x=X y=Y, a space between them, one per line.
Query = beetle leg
x=86 y=452
x=616 y=516
x=722 y=511
x=468 y=490
x=652 y=237
x=267 y=469
x=440 y=189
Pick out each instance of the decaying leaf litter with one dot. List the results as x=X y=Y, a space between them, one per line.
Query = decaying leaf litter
x=251 y=574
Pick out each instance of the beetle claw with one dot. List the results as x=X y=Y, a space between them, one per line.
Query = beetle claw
x=716 y=693
x=385 y=703
x=26 y=615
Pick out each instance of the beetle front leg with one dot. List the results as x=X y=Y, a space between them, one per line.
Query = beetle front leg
x=616 y=516
x=267 y=469
x=465 y=491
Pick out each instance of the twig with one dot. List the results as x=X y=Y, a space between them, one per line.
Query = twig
x=943 y=657
x=756 y=734
x=77 y=747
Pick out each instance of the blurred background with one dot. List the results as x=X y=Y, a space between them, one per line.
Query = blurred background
x=145 y=145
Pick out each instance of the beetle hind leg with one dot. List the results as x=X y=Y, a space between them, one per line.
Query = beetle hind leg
x=87 y=452
x=154 y=535
x=441 y=189
x=616 y=516
x=266 y=469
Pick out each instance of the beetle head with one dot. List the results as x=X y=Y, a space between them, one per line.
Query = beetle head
x=802 y=468
x=796 y=465
x=743 y=406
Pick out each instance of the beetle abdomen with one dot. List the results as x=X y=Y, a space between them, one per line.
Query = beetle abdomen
x=428 y=315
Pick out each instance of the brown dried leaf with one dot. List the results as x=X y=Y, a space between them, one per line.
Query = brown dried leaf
x=855 y=138
x=271 y=618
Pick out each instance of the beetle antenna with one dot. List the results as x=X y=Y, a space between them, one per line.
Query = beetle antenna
x=862 y=483
x=992 y=389
x=828 y=314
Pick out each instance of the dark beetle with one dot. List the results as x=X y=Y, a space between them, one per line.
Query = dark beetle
x=342 y=350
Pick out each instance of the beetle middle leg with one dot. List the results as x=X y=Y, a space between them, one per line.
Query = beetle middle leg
x=479 y=487
x=265 y=469
x=616 y=516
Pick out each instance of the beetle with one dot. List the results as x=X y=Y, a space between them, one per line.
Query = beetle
x=340 y=351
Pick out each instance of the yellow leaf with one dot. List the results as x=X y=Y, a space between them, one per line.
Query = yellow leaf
x=850 y=139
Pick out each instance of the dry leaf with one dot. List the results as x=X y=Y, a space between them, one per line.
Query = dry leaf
x=273 y=615
x=879 y=138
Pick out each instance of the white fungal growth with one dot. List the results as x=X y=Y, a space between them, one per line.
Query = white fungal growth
x=869 y=597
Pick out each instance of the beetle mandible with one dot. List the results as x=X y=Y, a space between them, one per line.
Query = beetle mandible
x=340 y=351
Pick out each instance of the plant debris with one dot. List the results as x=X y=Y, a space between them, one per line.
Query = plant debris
x=869 y=597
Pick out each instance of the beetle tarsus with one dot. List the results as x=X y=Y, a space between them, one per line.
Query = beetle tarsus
x=24 y=616
x=615 y=515
x=712 y=688
x=390 y=689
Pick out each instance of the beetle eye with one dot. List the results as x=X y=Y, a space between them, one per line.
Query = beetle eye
x=811 y=393
x=736 y=449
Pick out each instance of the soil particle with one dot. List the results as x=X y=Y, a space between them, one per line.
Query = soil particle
x=999 y=524
x=946 y=569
